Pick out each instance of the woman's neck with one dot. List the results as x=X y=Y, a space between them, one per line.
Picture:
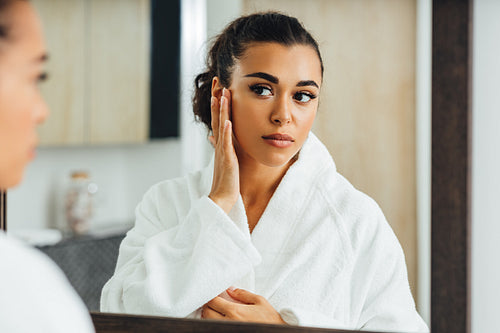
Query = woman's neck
x=258 y=182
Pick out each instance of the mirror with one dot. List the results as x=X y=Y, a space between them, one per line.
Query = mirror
x=391 y=73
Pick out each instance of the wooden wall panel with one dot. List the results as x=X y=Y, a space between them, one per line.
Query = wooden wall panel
x=119 y=77
x=63 y=22
x=366 y=116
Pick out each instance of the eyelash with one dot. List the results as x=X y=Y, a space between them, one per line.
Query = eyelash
x=42 y=77
x=258 y=87
x=311 y=96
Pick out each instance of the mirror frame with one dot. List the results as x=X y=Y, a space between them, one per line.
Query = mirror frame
x=452 y=46
x=452 y=24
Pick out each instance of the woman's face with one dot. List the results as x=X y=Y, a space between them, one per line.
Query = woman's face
x=274 y=92
x=22 y=56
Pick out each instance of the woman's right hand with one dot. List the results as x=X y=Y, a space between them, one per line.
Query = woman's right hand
x=226 y=181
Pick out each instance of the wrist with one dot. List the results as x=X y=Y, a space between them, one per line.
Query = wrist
x=224 y=204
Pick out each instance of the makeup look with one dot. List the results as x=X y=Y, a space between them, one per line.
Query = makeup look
x=22 y=108
x=274 y=99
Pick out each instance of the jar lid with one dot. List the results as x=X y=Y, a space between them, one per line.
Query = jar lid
x=79 y=175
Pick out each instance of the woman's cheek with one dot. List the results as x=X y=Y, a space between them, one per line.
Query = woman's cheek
x=242 y=126
x=307 y=118
x=240 y=114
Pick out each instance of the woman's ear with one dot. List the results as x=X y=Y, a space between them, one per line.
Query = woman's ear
x=216 y=88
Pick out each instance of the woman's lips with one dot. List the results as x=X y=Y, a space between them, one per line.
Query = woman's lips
x=32 y=154
x=279 y=140
x=32 y=150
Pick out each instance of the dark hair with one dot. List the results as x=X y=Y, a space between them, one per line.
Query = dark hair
x=230 y=45
x=4 y=26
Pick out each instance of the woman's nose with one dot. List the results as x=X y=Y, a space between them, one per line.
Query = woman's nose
x=281 y=114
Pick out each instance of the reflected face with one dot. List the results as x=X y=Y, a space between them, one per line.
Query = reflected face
x=22 y=56
x=274 y=91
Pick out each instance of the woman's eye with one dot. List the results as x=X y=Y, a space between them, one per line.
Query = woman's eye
x=303 y=97
x=261 y=90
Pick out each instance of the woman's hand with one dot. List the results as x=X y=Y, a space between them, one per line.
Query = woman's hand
x=250 y=308
x=226 y=180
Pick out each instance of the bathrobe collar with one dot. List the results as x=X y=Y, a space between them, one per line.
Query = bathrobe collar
x=287 y=202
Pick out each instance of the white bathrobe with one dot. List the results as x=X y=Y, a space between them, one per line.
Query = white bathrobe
x=322 y=252
x=35 y=295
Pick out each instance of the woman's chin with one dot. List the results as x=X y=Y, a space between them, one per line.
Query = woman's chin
x=277 y=161
x=11 y=181
x=272 y=159
x=15 y=174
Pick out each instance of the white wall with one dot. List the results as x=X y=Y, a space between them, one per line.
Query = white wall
x=220 y=13
x=193 y=36
x=485 y=167
x=123 y=174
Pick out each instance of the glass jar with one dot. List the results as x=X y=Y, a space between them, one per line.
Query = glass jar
x=79 y=207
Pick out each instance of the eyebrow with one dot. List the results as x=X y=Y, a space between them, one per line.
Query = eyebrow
x=307 y=83
x=275 y=80
x=265 y=76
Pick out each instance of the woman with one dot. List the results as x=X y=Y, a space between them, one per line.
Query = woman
x=35 y=295
x=270 y=215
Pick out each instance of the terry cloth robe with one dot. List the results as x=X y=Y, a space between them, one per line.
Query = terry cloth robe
x=35 y=295
x=322 y=252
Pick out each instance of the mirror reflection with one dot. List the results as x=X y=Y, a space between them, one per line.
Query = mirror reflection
x=271 y=216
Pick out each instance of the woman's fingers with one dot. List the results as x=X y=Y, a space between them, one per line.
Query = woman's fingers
x=244 y=296
x=214 y=108
x=220 y=305
x=220 y=112
x=258 y=309
x=209 y=313
x=227 y=93
x=226 y=133
x=225 y=184
x=228 y=137
x=225 y=106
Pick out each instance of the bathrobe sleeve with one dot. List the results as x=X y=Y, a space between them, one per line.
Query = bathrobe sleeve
x=302 y=316
x=180 y=254
x=380 y=280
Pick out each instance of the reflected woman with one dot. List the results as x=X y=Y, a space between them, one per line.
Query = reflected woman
x=35 y=296
x=269 y=231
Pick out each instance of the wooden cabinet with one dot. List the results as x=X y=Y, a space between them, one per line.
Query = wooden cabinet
x=63 y=23
x=99 y=56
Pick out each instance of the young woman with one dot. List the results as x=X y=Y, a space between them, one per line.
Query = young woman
x=270 y=215
x=35 y=296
